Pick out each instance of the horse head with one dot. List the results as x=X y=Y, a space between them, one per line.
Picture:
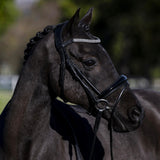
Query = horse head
x=85 y=75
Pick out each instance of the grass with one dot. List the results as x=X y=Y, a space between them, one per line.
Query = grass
x=4 y=98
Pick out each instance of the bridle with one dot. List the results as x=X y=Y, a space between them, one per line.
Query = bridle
x=96 y=98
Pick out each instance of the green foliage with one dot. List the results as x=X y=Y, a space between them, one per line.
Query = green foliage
x=130 y=31
x=70 y=6
x=8 y=13
x=65 y=4
x=155 y=72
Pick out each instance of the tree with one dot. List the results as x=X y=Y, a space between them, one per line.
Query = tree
x=8 y=13
x=13 y=42
x=130 y=31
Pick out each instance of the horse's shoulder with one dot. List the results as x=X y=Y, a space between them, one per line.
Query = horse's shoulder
x=146 y=92
x=148 y=98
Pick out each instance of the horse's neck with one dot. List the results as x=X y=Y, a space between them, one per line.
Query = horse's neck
x=29 y=109
x=30 y=102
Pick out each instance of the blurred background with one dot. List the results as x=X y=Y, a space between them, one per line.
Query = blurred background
x=129 y=30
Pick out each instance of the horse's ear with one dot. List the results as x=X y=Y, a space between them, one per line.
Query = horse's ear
x=86 y=20
x=72 y=23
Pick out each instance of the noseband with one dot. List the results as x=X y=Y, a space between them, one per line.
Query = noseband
x=96 y=98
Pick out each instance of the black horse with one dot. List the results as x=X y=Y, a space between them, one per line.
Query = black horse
x=67 y=61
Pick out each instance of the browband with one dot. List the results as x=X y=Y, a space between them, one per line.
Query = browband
x=82 y=40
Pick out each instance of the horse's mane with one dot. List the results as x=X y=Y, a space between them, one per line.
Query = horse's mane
x=34 y=40
x=40 y=35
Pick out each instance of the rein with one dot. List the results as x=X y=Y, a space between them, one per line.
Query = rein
x=99 y=101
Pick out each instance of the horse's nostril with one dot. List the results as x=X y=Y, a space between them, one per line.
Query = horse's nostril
x=134 y=113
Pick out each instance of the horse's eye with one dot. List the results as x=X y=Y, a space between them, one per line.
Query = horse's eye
x=89 y=62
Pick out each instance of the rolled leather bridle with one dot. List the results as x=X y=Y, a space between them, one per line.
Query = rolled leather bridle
x=96 y=98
